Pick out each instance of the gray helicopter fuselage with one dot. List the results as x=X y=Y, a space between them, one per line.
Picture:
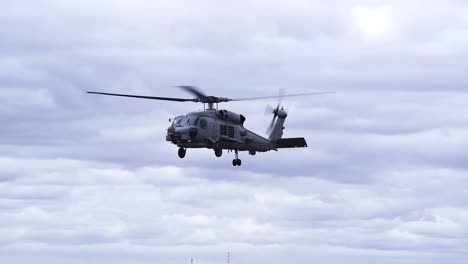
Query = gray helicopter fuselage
x=216 y=129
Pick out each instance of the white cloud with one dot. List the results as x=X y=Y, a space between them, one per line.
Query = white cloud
x=374 y=23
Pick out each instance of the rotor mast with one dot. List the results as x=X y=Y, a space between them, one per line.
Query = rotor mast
x=210 y=106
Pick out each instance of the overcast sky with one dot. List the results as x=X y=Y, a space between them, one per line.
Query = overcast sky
x=91 y=179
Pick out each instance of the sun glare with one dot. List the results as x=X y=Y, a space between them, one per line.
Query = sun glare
x=373 y=23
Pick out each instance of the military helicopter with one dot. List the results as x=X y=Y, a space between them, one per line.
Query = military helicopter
x=222 y=129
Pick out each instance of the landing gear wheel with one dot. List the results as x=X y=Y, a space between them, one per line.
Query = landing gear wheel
x=218 y=152
x=182 y=152
x=236 y=162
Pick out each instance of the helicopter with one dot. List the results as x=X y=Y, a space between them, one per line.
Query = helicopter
x=220 y=129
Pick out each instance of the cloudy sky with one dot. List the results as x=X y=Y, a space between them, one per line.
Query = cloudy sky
x=91 y=179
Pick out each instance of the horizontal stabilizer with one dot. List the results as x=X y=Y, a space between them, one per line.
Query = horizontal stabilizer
x=291 y=143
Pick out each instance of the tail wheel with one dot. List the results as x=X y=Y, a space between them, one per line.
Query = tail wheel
x=182 y=153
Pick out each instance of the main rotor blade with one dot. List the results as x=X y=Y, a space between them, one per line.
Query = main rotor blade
x=277 y=96
x=148 y=97
x=193 y=90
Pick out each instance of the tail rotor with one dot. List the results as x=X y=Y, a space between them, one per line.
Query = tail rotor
x=270 y=110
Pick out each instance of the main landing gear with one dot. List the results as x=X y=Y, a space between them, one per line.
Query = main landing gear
x=182 y=152
x=218 y=152
x=236 y=161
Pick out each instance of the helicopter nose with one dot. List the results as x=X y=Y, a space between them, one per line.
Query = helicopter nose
x=171 y=135
x=193 y=132
x=181 y=133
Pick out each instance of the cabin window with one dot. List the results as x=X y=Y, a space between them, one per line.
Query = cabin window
x=203 y=123
x=222 y=130
x=230 y=131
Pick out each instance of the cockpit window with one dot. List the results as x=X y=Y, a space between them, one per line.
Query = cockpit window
x=192 y=120
x=177 y=120
x=203 y=123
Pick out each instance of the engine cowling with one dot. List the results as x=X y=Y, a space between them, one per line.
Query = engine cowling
x=231 y=117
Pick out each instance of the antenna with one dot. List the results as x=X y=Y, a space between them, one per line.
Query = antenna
x=191 y=261
x=228 y=259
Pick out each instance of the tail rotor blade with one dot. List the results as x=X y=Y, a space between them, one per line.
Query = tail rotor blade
x=281 y=93
x=275 y=110
x=271 y=124
x=269 y=109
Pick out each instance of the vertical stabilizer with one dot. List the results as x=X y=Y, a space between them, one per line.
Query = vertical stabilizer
x=277 y=130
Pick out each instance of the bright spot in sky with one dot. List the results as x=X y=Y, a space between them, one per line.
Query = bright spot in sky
x=373 y=23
